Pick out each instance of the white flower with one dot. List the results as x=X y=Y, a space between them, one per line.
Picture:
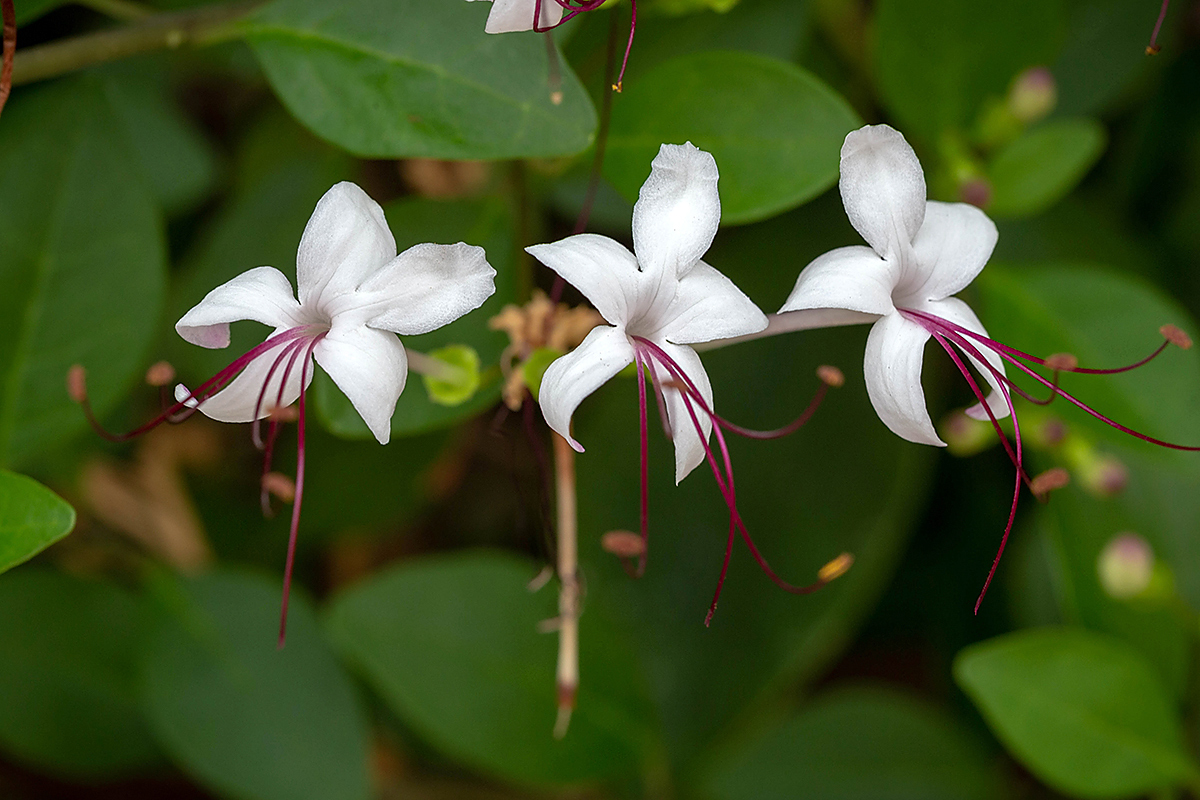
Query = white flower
x=922 y=252
x=657 y=302
x=355 y=294
x=509 y=16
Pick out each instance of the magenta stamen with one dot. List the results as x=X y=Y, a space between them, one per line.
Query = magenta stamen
x=573 y=10
x=268 y=447
x=292 y=350
x=643 y=426
x=1153 y=47
x=295 y=528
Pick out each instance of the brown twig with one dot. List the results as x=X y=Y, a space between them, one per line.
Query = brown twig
x=10 y=48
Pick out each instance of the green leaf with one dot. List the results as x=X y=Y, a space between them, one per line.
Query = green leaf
x=463 y=663
x=1103 y=55
x=83 y=263
x=937 y=60
x=774 y=129
x=859 y=742
x=31 y=519
x=459 y=389
x=244 y=718
x=1043 y=165
x=179 y=163
x=487 y=224
x=68 y=678
x=29 y=10
x=398 y=78
x=1084 y=712
x=534 y=367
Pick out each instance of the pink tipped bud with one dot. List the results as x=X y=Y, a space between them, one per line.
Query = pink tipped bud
x=1033 y=95
x=160 y=374
x=1105 y=476
x=77 y=383
x=1176 y=337
x=624 y=544
x=1062 y=361
x=965 y=436
x=1125 y=566
x=836 y=568
x=1049 y=480
x=1051 y=432
x=831 y=376
x=976 y=191
x=279 y=485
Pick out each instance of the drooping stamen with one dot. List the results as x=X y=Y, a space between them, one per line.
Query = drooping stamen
x=644 y=439
x=1153 y=48
x=291 y=353
x=291 y=549
x=1048 y=481
x=572 y=11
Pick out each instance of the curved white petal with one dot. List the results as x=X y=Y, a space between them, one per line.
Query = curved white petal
x=604 y=352
x=689 y=442
x=423 y=288
x=883 y=188
x=707 y=306
x=850 y=278
x=262 y=294
x=960 y=313
x=509 y=16
x=370 y=367
x=346 y=239
x=237 y=401
x=892 y=368
x=601 y=269
x=952 y=247
x=678 y=210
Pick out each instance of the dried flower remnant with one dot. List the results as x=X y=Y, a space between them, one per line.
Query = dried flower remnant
x=921 y=254
x=355 y=293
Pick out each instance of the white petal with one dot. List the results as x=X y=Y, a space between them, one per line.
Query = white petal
x=370 y=368
x=689 y=444
x=678 y=210
x=600 y=268
x=960 y=313
x=952 y=247
x=423 y=288
x=509 y=16
x=709 y=306
x=892 y=367
x=850 y=278
x=262 y=294
x=604 y=352
x=883 y=188
x=346 y=239
x=237 y=401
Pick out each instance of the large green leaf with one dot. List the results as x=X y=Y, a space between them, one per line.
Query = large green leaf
x=486 y=224
x=83 y=262
x=68 y=678
x=843 y=483
x=1084 y=712
x=936 y=60
x=774 y=129
x=31 y=519
x=243 y=717
x=451 y=644
x=389 y=78
x=859 y=743
x=1045 y=163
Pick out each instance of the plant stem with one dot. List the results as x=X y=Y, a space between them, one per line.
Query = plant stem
x=10 y=47
x=194 y=27
x=568 y=576
x=435 y=368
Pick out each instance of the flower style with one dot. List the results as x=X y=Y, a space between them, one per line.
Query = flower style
x=921 y=254
x=658 y=301
x=355 y=295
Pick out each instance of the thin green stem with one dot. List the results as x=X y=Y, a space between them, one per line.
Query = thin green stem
x=195 y=28
x=123 y=10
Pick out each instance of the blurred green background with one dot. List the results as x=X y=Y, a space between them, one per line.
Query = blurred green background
x=137 y=653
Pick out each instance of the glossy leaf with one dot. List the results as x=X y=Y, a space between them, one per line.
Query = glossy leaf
x=855 y=743
x=243 y=717
x=31 y=519
x=83 y=263
x=1043 y=165
x=1083 y=711
x=68 y=678
x=392 y=78
x=471 y=673
x=937 y=60
x=774 y=129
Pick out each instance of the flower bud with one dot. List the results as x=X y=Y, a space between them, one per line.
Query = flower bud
x=1125 y=566
x=1033 y=95
x=965 y=436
